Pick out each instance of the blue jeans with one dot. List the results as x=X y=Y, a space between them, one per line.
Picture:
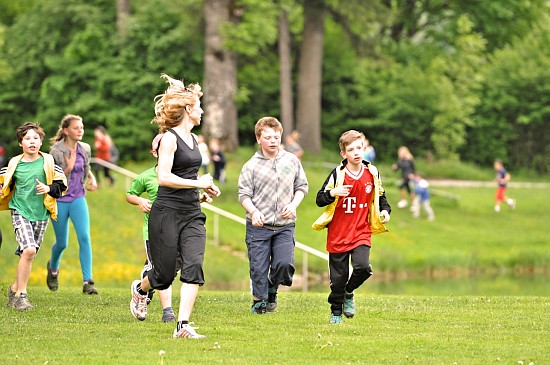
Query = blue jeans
x=271 y=257
x=77 y=211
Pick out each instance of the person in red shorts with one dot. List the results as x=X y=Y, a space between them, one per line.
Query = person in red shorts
x=502 y=179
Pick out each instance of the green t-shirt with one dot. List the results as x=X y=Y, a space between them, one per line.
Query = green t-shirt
x=25 y=200
x=146 y=182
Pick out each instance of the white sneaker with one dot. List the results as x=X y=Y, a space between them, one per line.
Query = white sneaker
x=138 y=304
x=497 y=208
x=512 y=203
x=186 y=331
x=402 y=204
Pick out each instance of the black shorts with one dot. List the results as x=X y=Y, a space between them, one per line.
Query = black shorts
x=176 y=235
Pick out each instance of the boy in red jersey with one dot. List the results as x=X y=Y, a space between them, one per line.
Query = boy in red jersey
x=356 y=208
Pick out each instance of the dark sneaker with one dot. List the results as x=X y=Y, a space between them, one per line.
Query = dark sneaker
x=51 y=280
x=272 y=302
x=186 y=331
x=89 y=288
x=349 y=306
x=168 y=316
x=335 y=319
x=259 y=307
x=11 y=297
x=22 y=302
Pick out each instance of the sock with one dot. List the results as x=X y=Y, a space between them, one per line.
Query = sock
x=181 y=324
x=140 y=291
x=55 y=272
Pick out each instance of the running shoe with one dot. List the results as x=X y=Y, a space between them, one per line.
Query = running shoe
x=259 y=307
x=272 y=302
x=186 y=331
x=22 y=302
x=11 y=297
x=89 y=287
x=349 y=306
x=335 y=319
x=168 y=316
x=138 y=304
x=51 y=279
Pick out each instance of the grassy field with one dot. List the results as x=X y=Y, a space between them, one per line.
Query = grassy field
x=419 y=322
x=69 y=328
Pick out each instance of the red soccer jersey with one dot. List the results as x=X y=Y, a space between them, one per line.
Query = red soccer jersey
x=349 y=227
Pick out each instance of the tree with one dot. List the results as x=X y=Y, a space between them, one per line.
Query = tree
x=122 y=16
x=220 y=75
x=285 y=73
x=308 y=114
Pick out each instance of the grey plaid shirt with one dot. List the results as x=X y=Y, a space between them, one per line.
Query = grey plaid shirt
x=271 y=185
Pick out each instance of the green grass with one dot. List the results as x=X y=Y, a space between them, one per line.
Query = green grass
x=70 y=328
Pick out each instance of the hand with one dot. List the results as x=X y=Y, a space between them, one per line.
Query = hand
x=41 y=188
x=257 y=218
x=205 y=181
x=213 y=191
x=289 y=212
x=145 y=205
x=70 y=161
x=341 y=190
x=91 y=184
x=205 y=198
x=384 y=216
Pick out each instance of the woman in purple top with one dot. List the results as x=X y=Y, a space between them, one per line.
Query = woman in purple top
x=73 y=156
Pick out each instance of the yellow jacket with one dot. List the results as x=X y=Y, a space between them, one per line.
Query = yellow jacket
x=335 y=179
x=55 y=178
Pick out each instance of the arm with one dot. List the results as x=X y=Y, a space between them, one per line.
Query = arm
x=324 y=196
x=143 y=204
x=91 y=184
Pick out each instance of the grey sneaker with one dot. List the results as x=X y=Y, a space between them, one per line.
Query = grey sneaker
x=89 y=288
x=51 y=280
x=168 y=316
x=335 y=319
x=22 y=302
x=259 y=307
x=349 y=306
x=11 y=297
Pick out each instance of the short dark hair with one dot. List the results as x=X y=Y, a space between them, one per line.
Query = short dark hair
x=22 y=130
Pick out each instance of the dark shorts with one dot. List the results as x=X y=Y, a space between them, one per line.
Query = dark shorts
x=176 y=235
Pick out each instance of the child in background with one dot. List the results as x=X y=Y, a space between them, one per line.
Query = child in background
x=405 y=163
x=29 y=186
x=422 y=197
x=502 y=179
x=356 y=208
x=218 y=158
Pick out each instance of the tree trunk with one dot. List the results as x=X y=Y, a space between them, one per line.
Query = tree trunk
x=220 y=78
x=308 y=116
x=285 y=74
x=122 y=15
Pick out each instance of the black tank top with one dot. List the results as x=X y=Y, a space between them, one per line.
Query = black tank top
x=186 y=165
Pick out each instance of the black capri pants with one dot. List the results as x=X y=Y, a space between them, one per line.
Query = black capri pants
x=176 y=234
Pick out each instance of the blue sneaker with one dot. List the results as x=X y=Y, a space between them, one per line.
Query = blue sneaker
x=259 y=307
x=335 y=319
x=349 y=306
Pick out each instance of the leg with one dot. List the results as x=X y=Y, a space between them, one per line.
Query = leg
x=338 y=274
x=415 y=208
x=24 y=270
x=258 y=242
x=61 y=229
x=282 y=257
x=80 y=217
x=362 y=269
x=429 y=210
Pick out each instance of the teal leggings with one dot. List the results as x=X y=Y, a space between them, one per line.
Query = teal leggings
x=77 y=211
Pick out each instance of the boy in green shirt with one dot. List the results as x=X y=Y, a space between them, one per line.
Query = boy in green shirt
x=30 y=185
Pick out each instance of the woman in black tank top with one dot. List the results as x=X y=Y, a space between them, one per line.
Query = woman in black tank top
x=177 y=235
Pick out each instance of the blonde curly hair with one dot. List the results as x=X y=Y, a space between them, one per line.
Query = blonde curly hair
x=170 y=106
